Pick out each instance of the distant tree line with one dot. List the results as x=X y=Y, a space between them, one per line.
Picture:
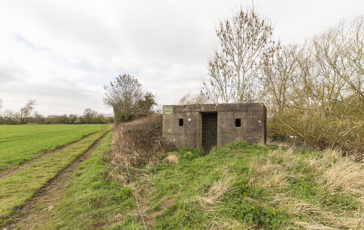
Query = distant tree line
x=25 y=115
x=314 y=92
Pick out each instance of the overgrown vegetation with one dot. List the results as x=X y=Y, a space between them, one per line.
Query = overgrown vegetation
x=243 y=186
x=140 y=142
x=314 y=92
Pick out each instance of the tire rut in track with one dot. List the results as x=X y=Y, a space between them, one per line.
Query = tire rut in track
x=35 y=212
x=8 y=173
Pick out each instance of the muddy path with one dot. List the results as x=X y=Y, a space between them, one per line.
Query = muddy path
x=38 y=210
x=44 y=154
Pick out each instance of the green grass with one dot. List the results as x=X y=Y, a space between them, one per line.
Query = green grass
x=15 y=190
x=21 y=143
x=238 y=186
x=194 y=176
x=242 y=186
x=93 y=199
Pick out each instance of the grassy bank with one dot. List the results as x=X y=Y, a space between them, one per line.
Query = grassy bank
x=242 y=186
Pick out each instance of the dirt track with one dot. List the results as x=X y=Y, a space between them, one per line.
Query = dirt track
x=12 y=171
x=36 y=212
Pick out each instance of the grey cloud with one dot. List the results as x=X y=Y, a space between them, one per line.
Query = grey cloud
x=10 y=73
x=78 y=46
x=53 y=98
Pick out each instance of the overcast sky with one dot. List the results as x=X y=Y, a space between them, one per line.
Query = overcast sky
x=61 y=53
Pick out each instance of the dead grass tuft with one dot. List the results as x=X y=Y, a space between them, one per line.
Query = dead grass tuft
x=343 y=175
x=172 y=158
x=215 y=192
x=223 y=223
x=336 y=173
x=313 y=226
x=268 y=175
x=271 y=171
x=328 y=157
x=327 y=219
x=335 y=222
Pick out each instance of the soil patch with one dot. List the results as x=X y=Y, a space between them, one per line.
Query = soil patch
x=166 y=204
x=12 y=171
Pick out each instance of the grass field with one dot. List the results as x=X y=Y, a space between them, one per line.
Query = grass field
x=21 y=143
x=93 y=199
x=16 y=189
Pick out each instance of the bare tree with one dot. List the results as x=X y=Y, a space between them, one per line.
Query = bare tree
x=25 y=111
x=89 y=116
x=127 y=99
x=316 y=90
x=10 y=117
x=355 y=55
x=234 y=69
x=279 y=72
x=190 y=98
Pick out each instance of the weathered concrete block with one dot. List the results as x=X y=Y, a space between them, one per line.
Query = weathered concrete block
x=207 y=125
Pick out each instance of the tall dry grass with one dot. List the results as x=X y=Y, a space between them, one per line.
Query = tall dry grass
x=344 y=173
x=333 y=173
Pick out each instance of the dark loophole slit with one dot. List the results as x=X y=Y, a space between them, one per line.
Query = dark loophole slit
x=237 y=123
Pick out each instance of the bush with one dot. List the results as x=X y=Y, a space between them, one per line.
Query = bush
x=140 y=141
